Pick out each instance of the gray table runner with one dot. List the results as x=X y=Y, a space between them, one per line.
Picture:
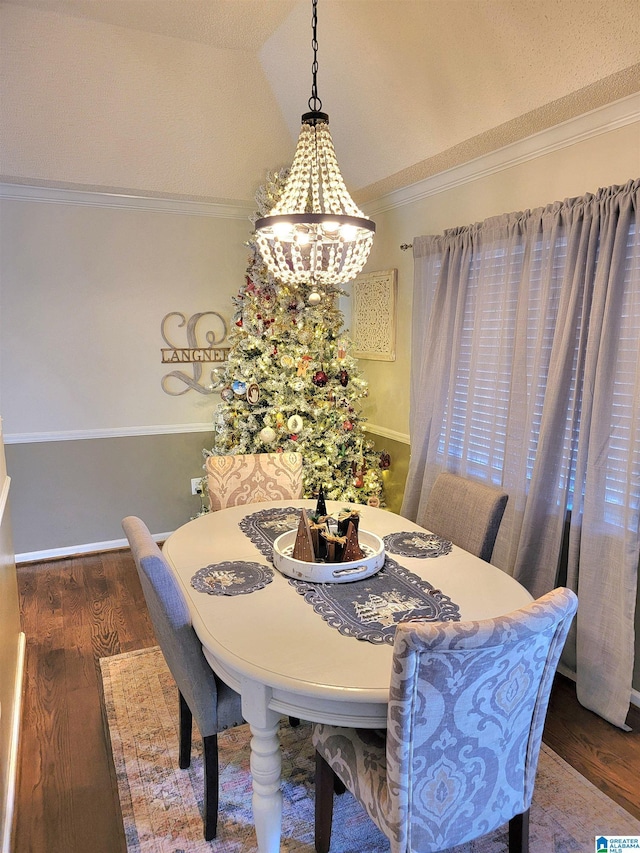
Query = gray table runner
x=367 y=609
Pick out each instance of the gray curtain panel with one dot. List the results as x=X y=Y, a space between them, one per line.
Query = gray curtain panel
x=526 y=374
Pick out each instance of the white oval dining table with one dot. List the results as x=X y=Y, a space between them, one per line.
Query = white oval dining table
x=285 y=659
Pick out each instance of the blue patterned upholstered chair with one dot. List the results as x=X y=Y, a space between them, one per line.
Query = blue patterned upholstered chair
x=467 y=705
x=246 y=478
x=201 y=694
x=466 y=512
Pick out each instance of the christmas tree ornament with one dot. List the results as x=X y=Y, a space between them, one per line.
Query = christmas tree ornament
x=227 y=394
x=331 y=241
x=343 y=378
x=320 y=378
x=314 y=298
x=286 y=361
x=347 y=426
x=294 y=424
x=267 y=435
x=253 y=393
x=239 y=388
x=385 y=460
x=303 y=365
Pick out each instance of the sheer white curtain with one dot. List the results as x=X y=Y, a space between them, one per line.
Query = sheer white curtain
x=526 y=373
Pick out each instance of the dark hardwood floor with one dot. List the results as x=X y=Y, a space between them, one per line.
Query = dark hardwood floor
x=78 y=610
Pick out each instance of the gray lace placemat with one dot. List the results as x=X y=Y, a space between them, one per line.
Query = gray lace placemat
x=417 y=544
x=236 y=577
x=368 y=609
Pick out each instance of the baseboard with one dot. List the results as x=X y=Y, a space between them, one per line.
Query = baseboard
x=8 y=806
x=569 y=673
x=78 y=550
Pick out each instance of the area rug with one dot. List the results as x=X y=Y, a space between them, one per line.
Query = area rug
x=162 y=805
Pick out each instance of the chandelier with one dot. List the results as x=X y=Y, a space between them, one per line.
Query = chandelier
x=315 y=234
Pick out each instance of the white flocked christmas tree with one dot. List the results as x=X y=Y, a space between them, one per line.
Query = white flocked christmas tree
x=290 y=382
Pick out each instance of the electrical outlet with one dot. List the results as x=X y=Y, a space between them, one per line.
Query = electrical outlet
x=196 y=485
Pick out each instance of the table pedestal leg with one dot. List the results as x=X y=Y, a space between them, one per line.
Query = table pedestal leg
x=266 y=763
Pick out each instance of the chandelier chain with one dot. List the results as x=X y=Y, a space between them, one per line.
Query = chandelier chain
x=315 y=104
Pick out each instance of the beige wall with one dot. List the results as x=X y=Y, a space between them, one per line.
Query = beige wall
x=84 y=292
x=91 y=435
x=610 y=157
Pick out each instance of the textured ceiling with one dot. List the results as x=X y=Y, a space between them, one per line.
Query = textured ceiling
x=199 y=98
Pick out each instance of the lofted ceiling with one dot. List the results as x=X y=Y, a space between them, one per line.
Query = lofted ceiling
x=199 y=98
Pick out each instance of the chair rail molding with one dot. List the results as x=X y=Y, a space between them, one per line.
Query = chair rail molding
x=108 y=432
x=391 y=434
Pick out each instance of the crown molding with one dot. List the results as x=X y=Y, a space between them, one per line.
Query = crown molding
x=89 y=198
x=617 y=114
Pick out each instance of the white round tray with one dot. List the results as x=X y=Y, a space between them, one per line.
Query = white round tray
x=372 y=562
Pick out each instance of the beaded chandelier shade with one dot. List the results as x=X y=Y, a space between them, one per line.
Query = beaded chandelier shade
x=315 y=234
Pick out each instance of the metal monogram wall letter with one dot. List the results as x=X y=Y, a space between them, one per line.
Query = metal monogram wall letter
x=194 y=353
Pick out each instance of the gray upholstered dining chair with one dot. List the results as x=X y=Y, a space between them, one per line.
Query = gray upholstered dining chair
x=466 y=512
x=467 y=705
x=201 y=693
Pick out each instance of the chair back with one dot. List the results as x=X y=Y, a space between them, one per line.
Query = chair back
x=171 y=621
x=467 y=707
x=466 y=512
x=253 y=478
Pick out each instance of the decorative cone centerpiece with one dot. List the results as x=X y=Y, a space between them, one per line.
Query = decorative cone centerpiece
x=320 y=551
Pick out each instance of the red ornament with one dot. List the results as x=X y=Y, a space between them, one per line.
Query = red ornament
x=293 y=437
x=320 y=378
x=343 y=376
x=239 y=323
x=385 y=460
x=347 y=425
